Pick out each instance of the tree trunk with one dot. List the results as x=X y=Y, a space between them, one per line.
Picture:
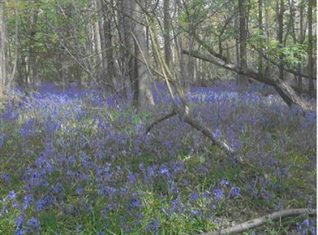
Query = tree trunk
x=311 y=87
x=32 y=56
x=190 y=64
x=109 y=50
x=260 y=46
x=145 y=97
x=98 y=43
x=166 y=36
x=242 y=80
x=2 y=50
x=106 y=47
x=127 y=60
x=280 y=28
x=301 y=40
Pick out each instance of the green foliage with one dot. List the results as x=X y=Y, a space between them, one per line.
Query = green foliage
x=55 y=22
x=195 y=11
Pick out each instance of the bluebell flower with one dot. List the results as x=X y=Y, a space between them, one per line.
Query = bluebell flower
x=173 y=188
x=19 y=221
x=153 y=226
x=6 y=178
x=176 y=205
x=28 y=128
x=217 y=134
x=51 y=125
x=44 y=202
x=20 y=231
x=12 y=195
x=79 y=190
x=164 y=170
x=33 y=224
x=27 y=201
x=195 y=196
x=206 y=194
x=225 y=183
x=131 y=178
x=2 y=139
x=135 y=203
x=218 y=193
x=235 y=192
x=195 y=212
x=151 y=172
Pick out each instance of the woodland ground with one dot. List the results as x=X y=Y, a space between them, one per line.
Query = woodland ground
x=72 y=162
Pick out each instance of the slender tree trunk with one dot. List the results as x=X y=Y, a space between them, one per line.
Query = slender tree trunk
x=267 y=33
x=190 y=58
x=242 y=81
x=293 y=17
x=311 y=87
x=260 y=46
x=280 y=28
x=109 y=47
x=301 y=40
x=166 y=36
x=127 y=50
x=32 y=56
x=98 y=44
x=2 y=50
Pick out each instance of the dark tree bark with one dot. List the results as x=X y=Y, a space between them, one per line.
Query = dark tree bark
x=108 y=46
x=311 y=87
x=242 y=80
x=280 y=31
x=166 y=36
x=2 y=50
x=260 y=46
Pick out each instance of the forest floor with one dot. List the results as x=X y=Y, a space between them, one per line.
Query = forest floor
x=72 y=162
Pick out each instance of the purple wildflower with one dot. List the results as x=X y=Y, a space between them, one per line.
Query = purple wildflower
x=218 y=193
x=33 y=224
x=12 y=195
x=164 y=170
x=235 y=192
x=195 y=196
x=153 y=226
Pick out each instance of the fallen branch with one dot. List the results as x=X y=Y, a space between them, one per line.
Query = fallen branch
x=161 y=119
x=284 y=90
x=261 y=220
x=196 y=124
x=182 y=108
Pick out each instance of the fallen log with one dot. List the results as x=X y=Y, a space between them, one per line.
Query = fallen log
x=284 y=90
x=261 y=220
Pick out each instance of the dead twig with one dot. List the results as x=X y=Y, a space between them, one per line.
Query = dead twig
x=261 y=220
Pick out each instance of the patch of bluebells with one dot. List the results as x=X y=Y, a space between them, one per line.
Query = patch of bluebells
x=306 y=227
x=33 y=224
x=106 y=155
